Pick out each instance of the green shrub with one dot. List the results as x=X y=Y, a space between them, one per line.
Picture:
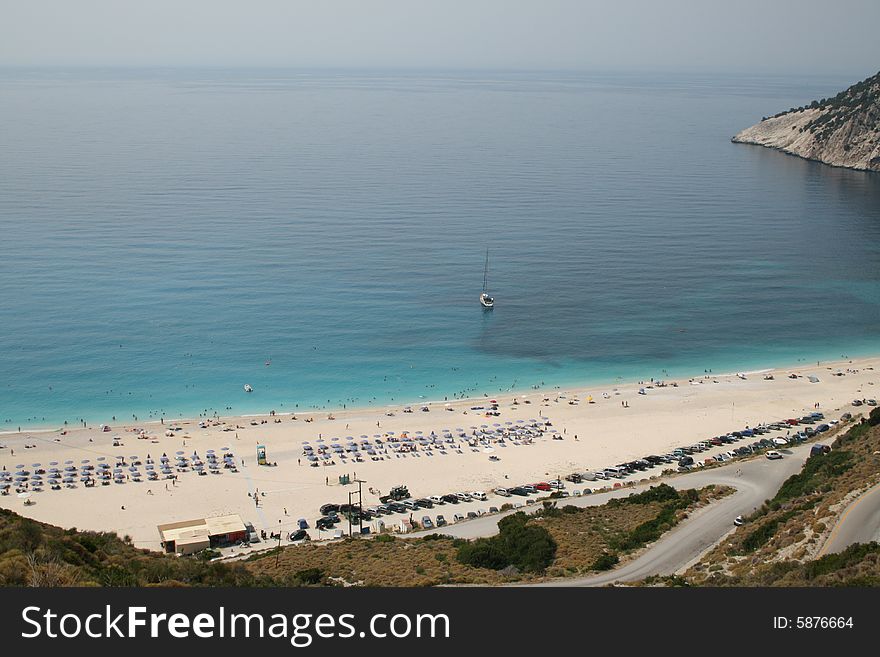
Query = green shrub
x=605 y=561
x=526 y=546
x=309 y=576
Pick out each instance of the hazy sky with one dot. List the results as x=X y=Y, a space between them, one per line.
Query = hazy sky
x=769 y=36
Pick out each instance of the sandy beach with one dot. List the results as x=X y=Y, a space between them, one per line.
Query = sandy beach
x=619 y=424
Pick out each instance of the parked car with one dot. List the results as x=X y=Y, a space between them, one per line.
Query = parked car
x=440 y=521
x=857 y=402
x=542 y=486
x=503 y=492
x=493 y=509
x=471 y=515
x=426 y=523
x=463 y=497
x=739 y=520
x=819 y=449
x=425 y=503
x=518 y=490
x=479 y=495
x=458 y=517
x=299 y=535
x=325 y=522
x=822 y=428
x=302 y=523
x=452 y=499
x=773 y=455
x=327 y=508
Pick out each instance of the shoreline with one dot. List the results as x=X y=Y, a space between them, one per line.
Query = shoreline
x=590 y=428
x=421 y=400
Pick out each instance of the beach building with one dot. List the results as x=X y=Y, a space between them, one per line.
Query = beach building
x=190 y=536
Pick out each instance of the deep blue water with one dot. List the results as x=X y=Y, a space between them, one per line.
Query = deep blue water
x=164 y=233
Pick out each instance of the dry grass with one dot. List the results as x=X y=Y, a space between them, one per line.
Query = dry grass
x=581 y=537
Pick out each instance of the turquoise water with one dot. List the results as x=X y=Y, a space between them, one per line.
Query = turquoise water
x=163 y=234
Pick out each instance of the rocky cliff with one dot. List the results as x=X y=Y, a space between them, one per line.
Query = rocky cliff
x=842 y=131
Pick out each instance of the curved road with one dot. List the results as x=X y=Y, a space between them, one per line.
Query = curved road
x=859 y=523
x=755 y=481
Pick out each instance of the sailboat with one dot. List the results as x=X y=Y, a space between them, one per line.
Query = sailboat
x=485 y=300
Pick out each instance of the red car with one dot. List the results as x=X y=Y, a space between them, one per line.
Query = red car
x=542 y=486
x=792 y=422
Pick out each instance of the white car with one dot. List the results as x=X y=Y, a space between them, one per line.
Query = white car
x=780 y=441
x=773 y=455
x=436 y=499
x=503 y=492
x=464 y=497
x=479 y=495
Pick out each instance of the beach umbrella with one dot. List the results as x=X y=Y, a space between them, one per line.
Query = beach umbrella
x=225 y=449
x=20 y=479
x=101 y=458
x=20 y=466
x=179 y=453
x=54 y=463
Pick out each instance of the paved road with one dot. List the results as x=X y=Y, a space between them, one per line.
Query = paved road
x=859 y=523
x=755 y=480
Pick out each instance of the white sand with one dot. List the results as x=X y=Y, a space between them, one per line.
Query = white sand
x=608 y=433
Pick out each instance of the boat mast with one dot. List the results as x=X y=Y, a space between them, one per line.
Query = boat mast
x=486 y=273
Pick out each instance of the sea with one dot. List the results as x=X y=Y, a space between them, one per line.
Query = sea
x=170 y=235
